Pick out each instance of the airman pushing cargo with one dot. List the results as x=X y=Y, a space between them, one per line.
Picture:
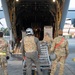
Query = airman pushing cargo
x=30 y=47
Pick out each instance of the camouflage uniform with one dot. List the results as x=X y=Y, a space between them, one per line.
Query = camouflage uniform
x=61 y=52
x=31 y=50
x=3 y=54
x=48 y=40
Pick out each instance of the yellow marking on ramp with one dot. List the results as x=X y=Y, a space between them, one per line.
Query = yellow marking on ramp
x=73 y=59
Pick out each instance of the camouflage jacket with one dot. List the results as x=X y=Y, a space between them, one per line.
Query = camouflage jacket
x=3 y=46
x=30 y=44
x=62 y=49
x=47 y=39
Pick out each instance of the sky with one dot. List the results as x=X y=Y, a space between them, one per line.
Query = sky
x=0 y=3
x=2 y=21
x=72 y=4
x=71 y=7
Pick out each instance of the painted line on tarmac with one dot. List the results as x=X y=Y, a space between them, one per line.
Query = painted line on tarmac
x=73 y=59
x=69 y=68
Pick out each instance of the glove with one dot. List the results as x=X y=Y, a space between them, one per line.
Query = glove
x=7 y=57
x=24 y=58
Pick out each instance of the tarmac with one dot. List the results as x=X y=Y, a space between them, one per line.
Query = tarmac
x=70 y=65
x=15 y=66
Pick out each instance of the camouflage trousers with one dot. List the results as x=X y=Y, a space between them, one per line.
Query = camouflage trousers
x=32 y=57
x=3 y=64
x=61 y=61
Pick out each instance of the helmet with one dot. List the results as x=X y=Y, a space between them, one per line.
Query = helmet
x=60 y=32
x=29 y=31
